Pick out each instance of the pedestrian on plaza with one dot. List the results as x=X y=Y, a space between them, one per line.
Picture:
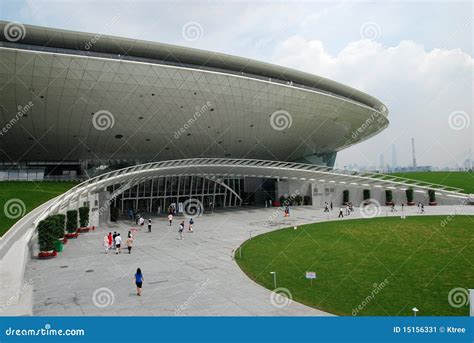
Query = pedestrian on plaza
x=170 y=218
x=106 y=244
x=129 y=243
x=331 y=205
x=191 y=223
x=341 y=214
x=149 y=225
x=141 y=222
x=180 y=230
x=422 y=208
x=113 y=240
x=110 y=239
x=118 y=243
x=139 y=281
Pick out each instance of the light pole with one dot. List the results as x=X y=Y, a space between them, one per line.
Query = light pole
x=414 y=309
x=274 y=279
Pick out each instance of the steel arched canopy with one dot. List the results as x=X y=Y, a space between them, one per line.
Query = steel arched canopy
x=216 y=168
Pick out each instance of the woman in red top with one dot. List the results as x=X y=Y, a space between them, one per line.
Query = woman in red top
x=110 y=239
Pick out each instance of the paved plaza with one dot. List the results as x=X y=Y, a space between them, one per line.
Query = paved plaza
x=194 y=276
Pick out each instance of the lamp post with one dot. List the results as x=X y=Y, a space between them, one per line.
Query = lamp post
x=274 y=279
x=414 y=309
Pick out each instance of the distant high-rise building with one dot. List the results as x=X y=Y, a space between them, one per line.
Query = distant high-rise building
x=394 y=157
x=382 y=162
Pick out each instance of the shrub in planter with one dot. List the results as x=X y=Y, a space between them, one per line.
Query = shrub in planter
x=366 y=195
x=388 y=197
x=410 y=197
x=83 y=216
x=345 y=197
x=307 y=200
x=432 y=197
x=71 y=224
x=46 y=238
x=58 y=225
x=114 y=214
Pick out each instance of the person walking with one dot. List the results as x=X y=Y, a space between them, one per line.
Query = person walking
x=110 y=239
x=129 y=243
x=139 y=281
x=331 y=205
x=118 y=243
x=113 y=240
x=341 y=214
x=422 y=208
x=149 y=225
x=106 y=244
x=170 y=218
x=191 y=223
x=180 y=230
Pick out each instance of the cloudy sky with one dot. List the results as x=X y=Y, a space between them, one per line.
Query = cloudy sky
x=416 y=57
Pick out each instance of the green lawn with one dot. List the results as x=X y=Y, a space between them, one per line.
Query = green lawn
x=464 y=180
x=31 y=194
x=421 y=260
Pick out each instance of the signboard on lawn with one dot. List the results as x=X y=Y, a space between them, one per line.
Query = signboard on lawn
x=311 y=275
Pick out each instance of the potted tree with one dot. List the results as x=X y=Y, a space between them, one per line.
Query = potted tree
x=409 y=194
x=61 y=227
x=58 y=231
x=83 y=219
x=432 y=197
x=345 y=197
x=307 y=200
x=366 y=195
x=71 y=224
x=46 y=238
x=388 y=197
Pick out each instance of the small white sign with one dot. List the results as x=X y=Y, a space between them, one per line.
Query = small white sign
x=311 y=275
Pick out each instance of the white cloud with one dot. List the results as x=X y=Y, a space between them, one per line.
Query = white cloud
x=421 y=88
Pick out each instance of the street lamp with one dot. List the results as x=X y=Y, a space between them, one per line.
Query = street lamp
x=414 y=309
x=274 y=279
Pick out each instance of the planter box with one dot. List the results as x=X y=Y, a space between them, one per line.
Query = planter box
x=45 y=255
x=63 y=240
x=433 y=203
x=71 y=235
x=83 y=229
x=388 y=203
x=411 y=203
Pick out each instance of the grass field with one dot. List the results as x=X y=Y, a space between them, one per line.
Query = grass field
x=464 y=180
x=27 y=195
x=385 y=265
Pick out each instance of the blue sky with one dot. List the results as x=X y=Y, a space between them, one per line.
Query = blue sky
x=416 y=57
